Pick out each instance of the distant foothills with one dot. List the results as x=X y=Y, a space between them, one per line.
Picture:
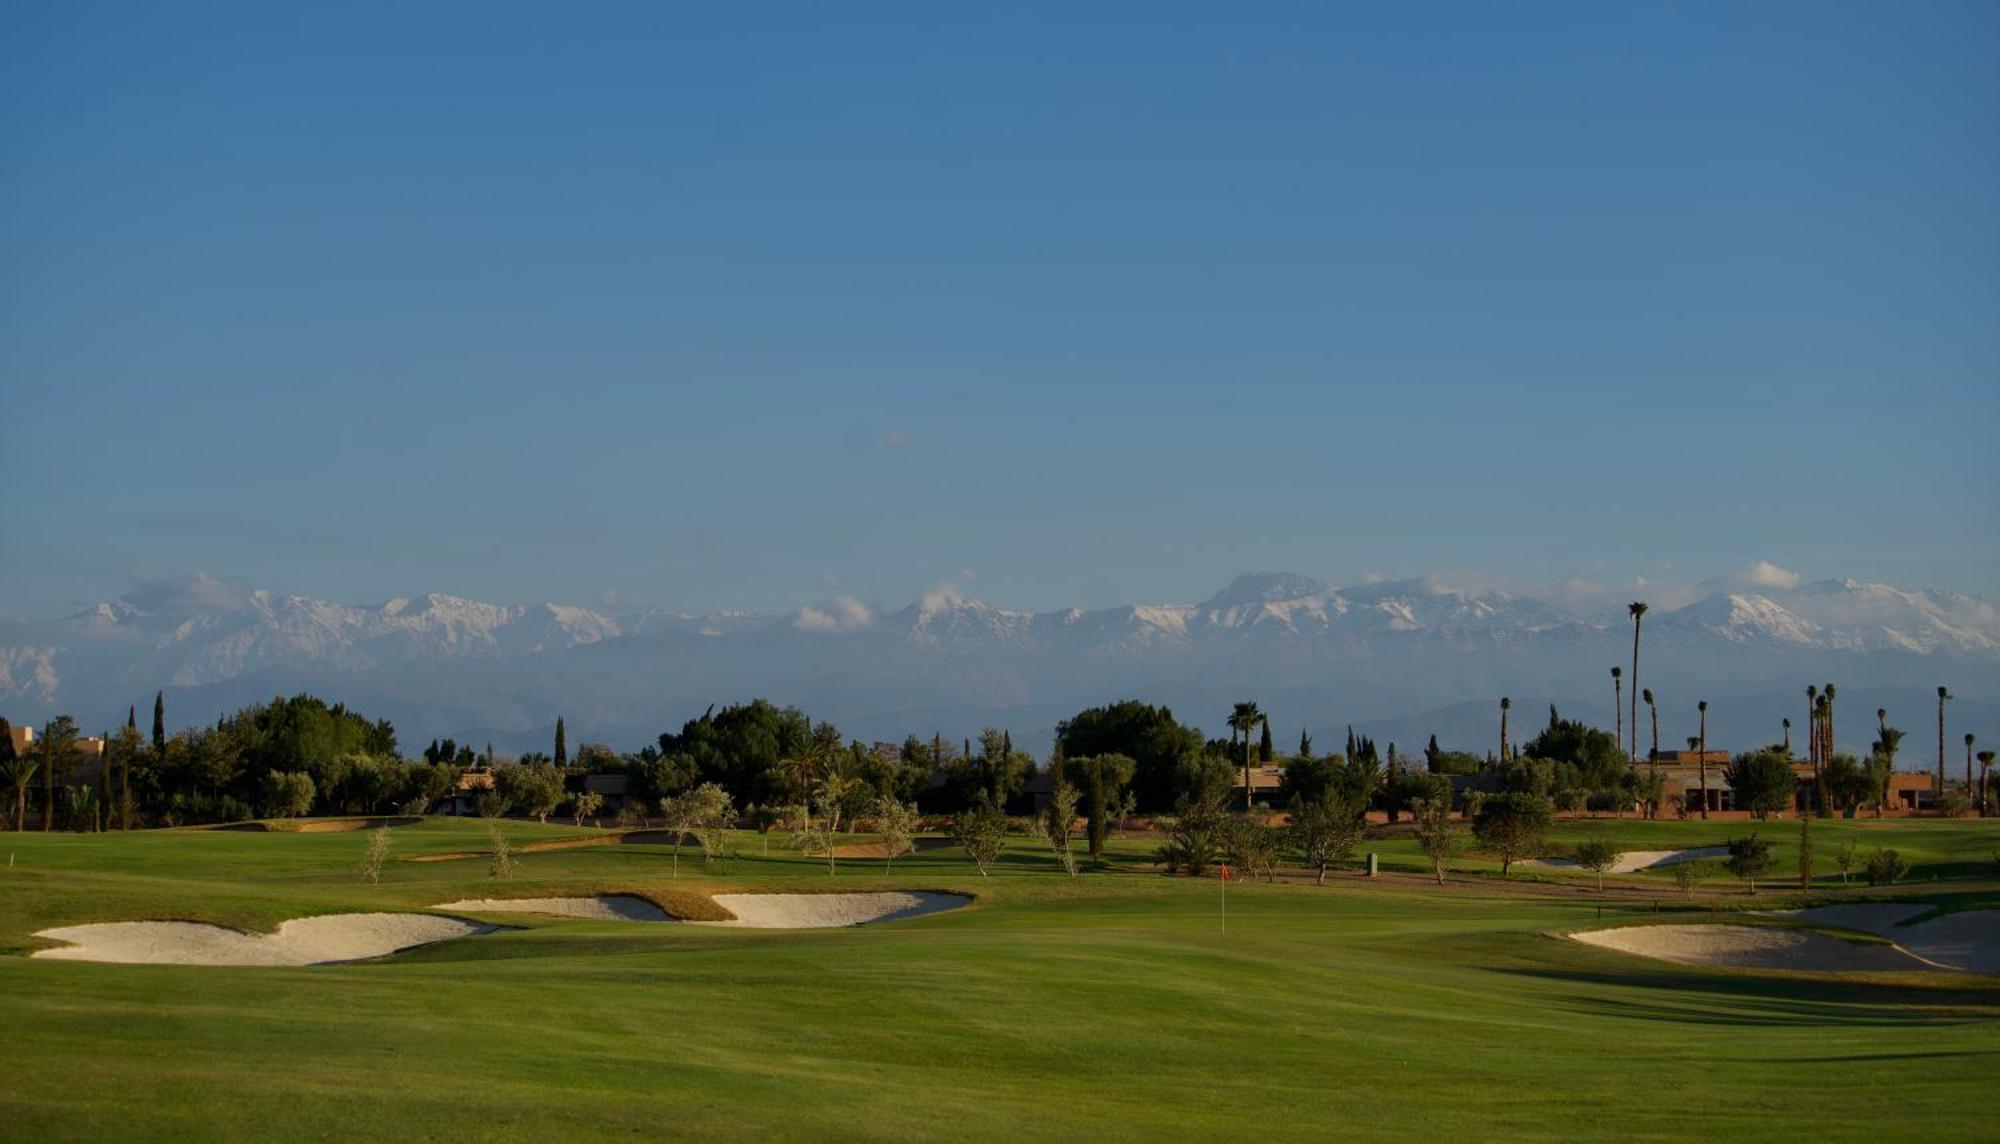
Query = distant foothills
x=1397 y=662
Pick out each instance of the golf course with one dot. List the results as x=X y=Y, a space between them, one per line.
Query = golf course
x=1119 y=1003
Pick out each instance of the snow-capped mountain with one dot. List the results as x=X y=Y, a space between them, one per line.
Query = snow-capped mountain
x=440 y=664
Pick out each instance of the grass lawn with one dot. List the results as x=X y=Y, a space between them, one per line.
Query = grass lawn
x=1111 y=1006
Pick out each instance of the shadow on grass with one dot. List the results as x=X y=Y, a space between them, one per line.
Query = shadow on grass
x=1753 y=1001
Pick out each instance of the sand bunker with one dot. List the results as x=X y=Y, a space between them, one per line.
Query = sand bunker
x=301 y=941
x=606 y=908
x=1968 y=940
x=821 y=911
x=1633 y=861
x=1750 y=947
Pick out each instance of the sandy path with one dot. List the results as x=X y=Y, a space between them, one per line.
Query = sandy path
x=821 y=911
x=607 y=908
x=1749 y=947
x=1633 y=861
x=301 y=941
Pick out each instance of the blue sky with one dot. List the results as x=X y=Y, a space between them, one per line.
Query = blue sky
x=750 y=306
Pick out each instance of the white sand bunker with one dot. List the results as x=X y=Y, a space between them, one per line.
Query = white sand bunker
x=1968 y=940
x=1750 y=947
x=1633 y=861
x=822 y=911
x=605 y=908
x=301 y=941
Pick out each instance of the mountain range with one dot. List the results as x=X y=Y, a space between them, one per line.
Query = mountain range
x=1396 y=659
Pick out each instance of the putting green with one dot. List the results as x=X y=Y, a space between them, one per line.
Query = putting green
x=1114 y=1005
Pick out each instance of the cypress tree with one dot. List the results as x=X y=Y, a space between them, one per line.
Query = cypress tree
x=562 y=744
x=1305 y=745
x=1264 y=751
x=159 y=722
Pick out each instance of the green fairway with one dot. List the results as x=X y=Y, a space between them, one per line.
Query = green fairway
x=1111 y=1006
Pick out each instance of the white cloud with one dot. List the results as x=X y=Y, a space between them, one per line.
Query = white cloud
x=1760 y=575
x=840 y=614
x=181 y=595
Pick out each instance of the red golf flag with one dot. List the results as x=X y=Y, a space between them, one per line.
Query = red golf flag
x=1225 y=871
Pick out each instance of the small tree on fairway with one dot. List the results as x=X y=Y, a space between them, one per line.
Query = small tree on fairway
x=1057 y=818
x=1253 y=844
x=1325 y=831
x=764 y=819
x=1437 y=833
x=714 y=811
x=1886 y=868
x=1597 y=855
x=1511 y=825
x=682 y=813
x=832 y=799
x=1687 y=875
x=1194 y=834
x=378 y=852
x=899 y=827
x=1843 y=859
x=586 y=805
x=982 y=830
x=502 y=863
x=1748 y=857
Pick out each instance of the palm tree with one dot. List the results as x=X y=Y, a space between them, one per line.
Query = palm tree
x=1618 y=708
x=1652 y=755
x=1788 y=738
x=1943 y=694
x=1637 y=610
x=1969 y=740
x=19 y=770
x=1506 y=705
x=1985 y=765
x=1826 y=752
x=1242 y=720
x=1885 y=749
x=1701 y=756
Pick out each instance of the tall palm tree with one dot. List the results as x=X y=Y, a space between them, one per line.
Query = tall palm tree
x=1506 y=705
x=1969 y=740
x=1618 y=709
x=1788 y=738
x=1985 y=766
x=1943 y=694
x=19 y=771
x=1652 y=754
x=1701 y=756
x=1637 y=609
x=1812 y=728
x=1885 y=748
x=1242 y=721
x=1826 y=751
x=1694 y=747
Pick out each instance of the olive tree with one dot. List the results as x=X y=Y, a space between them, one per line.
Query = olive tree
x=1437 y=833
x=1748 y=857
x=1325 y=831
x=1597 y=855
x=899 y=827
x=1056 y=820
x=1511 y=825
x=982 y=830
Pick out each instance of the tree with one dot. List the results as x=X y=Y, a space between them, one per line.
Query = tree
x=1597 y=855
x=377 y=853
x=19 y=772
x=899 y=827
x=1882 y=765
x=1253 y=844
x=1637 y=609
x=1194 y=834
x=1439 y=836
x=586 y=805
x=159 y=723
x=1618 y=704
x=1244 y=717
x=1306 y=743
x=831 y=795
x=533 y=790
x=1166 y=755
x=690 y=814
x=1057 y=819
x=1763 y=781
x=1846 y=783
x=1943 y=695
x=287 y=795
x=1748 y=857
x=1265 y=752
x=1843 y=859
x=562 y=744
x=982 y=831
x=1325 y=831
x=1506 y=705
x=1985 y=769
x=1101 y=779
x=1886 y=868
x=1511 y=824
x=1701 y=756
x=501 y=862
x=58 y=752
x=1970 y=739
x=1686 y=876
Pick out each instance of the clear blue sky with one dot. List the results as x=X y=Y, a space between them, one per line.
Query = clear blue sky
x=753 y=305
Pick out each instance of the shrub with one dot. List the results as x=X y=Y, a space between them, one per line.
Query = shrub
x=1512 y=825
x=378 y=852
x=1748 y=857
x=1194 y=834
x=1597 y=855
x=1886 y=867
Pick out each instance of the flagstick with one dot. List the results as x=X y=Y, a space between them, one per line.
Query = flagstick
x=1225 y=900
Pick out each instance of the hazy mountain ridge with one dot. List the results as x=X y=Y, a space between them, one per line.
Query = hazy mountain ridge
x=440 y=664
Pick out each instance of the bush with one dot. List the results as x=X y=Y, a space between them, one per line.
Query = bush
x=1748 y=857
x=1886 y=867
